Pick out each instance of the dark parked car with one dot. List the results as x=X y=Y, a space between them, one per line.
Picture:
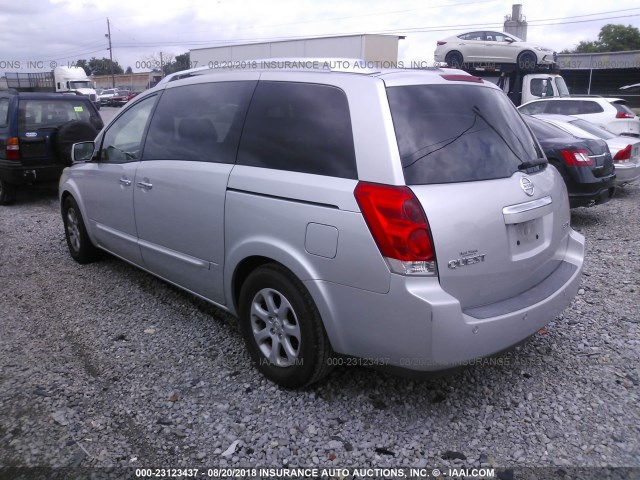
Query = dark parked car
x=585 y=164
x=37 y=131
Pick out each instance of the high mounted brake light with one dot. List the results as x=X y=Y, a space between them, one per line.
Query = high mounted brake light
x=398 y=226
x=462 y=78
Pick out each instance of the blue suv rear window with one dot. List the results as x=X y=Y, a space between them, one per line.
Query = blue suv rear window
x=51 y=113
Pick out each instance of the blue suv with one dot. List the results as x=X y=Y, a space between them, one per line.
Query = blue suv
x=37 y=131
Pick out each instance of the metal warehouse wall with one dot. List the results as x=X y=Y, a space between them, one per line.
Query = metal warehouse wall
x=381 y=48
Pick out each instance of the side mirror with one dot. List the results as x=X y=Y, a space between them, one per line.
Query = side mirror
x=509 y=39
x=82 y=152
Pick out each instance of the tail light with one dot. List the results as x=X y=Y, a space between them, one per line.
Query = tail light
x=623 y=155
x=441 y=43
x=625 y=115
x=399 y=227
x=13 y=148
x=577 y=158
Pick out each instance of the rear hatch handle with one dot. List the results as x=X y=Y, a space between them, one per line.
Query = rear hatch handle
x=523 y=212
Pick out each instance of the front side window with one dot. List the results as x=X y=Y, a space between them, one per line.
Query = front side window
x=300 y=127
x=122 y=142
x=533 y=108
x=200 y=122
x=458 y=133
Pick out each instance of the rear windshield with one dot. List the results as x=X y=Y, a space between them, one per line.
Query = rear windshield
x=458 y=133
x=35 y=114
x=593 y=129
x=545 y=131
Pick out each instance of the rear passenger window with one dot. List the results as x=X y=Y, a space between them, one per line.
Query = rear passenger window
x=590 y=107
x=299 y=127
x=200 y=122
x=4 y=112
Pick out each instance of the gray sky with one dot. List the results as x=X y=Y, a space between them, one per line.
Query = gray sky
x=49 y=32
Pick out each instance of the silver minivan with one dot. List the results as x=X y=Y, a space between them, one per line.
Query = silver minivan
x=402 y=219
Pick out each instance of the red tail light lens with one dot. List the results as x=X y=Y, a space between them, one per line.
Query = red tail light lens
x=624 y=115
x=577 y=158
x=13 y=148
x=398 y=226
x=623 y=155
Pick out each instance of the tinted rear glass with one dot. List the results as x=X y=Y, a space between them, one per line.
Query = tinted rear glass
x=35 y=114
x=593 y=129
x=458 y=133
x=300 y=127
x=543 y=130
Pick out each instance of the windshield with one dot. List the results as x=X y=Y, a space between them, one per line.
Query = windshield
x=562 y=87
x=458 y=133
x=80 y=84
x=593 y=129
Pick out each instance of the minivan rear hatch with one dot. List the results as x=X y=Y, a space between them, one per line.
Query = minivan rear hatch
x=498 y=214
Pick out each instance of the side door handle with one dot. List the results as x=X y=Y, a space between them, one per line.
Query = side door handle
x=145 y=185
x=124 y=181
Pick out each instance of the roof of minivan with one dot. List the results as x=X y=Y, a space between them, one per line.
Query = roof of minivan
x=324 y=65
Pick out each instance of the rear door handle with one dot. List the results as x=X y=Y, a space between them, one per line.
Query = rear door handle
x=145 y=185
x=124 y=181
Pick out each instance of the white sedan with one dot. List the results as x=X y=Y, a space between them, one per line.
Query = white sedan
x=491 y=47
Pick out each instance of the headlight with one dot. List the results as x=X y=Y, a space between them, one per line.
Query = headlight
x=542 y=49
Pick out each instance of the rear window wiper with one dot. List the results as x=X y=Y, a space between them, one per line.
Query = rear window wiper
x=532 y=164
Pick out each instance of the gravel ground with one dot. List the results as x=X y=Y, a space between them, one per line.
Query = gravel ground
x=105 y=366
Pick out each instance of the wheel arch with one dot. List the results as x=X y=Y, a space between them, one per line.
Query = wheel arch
x=245 y=257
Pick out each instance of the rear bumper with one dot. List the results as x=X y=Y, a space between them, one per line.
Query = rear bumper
x=591 y=197
x=418 y=326
x=19 y=174
x=626 y=173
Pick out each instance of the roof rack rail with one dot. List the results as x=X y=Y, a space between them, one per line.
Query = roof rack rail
x=347 y=65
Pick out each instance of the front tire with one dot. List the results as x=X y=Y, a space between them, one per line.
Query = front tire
x=80 y=246
x=7 y=193
x=282 y=328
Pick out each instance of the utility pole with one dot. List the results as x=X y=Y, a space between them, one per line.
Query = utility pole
x=108 y=35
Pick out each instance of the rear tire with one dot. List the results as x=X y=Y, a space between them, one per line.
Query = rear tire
x=454 y=59
x=282 y=328
x=527 y=61
x=80 y=246
x=7 y=193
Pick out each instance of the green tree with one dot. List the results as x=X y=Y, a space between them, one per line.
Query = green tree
x=82 y=64
x=102 y=66
x=179 y=63
x=618 y=38
x=612 y=38
x=129 y=70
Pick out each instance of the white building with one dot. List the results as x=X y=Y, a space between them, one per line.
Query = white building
x=381 y=49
